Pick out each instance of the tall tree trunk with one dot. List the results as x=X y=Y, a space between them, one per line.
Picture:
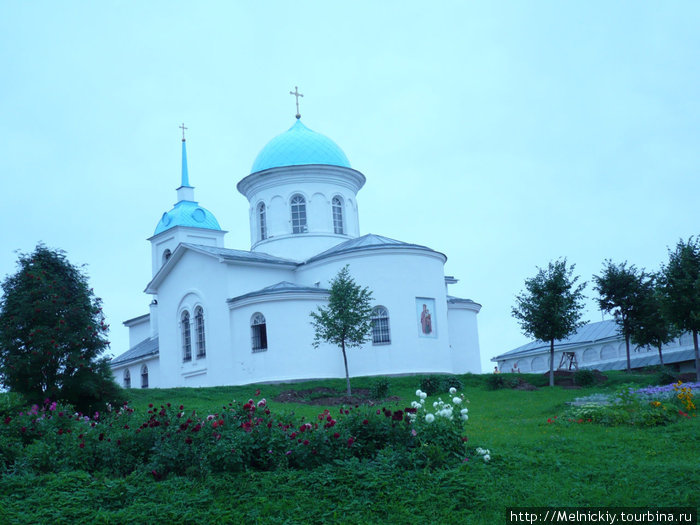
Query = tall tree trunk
x=661 y=356
x=551 y=363
x=627 y=346
x=697 y=356
x=347 y=375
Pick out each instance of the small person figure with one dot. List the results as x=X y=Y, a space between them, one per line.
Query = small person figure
x=515 y=369
x=496 y=370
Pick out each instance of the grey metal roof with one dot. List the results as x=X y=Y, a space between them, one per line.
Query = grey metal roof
x=282 y=287
x=588 y=333
x=369 y=241
x=651 y=359
x=242 y=255
x=454 y=300
x=145 y=348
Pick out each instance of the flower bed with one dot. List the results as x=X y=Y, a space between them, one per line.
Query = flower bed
x=170 y=439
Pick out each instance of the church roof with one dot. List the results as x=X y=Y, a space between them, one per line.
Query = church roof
x=451 y=299
x=241 y=255
x=282 y=287
x=146 y=348
x=589 y=333
x=366 y=242
x=299 y=146
x=187 y=213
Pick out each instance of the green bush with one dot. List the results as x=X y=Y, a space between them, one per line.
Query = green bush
x=666 y=376
x=584 y=377
x=431 y=385
x=451 y=382
x=380 y=389
x=495 y=381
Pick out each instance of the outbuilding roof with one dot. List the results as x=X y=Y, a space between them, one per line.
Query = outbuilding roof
x=589 y=333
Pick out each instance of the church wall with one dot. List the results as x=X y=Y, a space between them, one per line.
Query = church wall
x=320 y=236
x=154 y=377
x=290 y=354
x=396 y=278
x=464 y=340
x=139 y=331
x=195 y=281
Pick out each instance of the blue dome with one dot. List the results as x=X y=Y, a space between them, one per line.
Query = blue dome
x=299 y=146
x=187 y=213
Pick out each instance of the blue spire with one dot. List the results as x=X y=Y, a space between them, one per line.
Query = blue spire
x=185 y=177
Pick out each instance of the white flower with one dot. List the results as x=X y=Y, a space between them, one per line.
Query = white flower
x=456 y=400
x=453 y=390
x=429 y=418
x=423 y=395
x=464 y=417
x=435 y=404
x=487 y=458
x=422 y=401
x=415 y=404
x=464 y=411
x=480 y=451
x=419 y=392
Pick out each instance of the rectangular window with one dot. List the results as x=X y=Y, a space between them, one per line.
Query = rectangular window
x=259 y=337
x=380 y=331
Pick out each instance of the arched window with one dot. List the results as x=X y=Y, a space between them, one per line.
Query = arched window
x=144 y=376
x=262 y=222
x=258 y=332
x=298 y=214
x=166 y=256
x=380 y=326
x=186 y=336
x=127 y=378
x=199 y=326
x=338 y=215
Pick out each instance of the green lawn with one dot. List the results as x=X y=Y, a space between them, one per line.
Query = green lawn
x=533 y=463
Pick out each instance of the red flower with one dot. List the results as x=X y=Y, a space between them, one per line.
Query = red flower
x=293 y=435
x=306 y=442
x=188 y=440
x=336 y=435
x=365 y=421
x=351 y=441
x=82 y=445
x=549 y=420
x=7 y=420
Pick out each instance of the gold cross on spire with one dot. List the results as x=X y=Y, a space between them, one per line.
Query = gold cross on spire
x=183 y=128
x=297 y=95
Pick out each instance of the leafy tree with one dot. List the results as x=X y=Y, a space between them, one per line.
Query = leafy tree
x=551 y=306
x=52 y=332
x=679 y=283
x=649 y=324
x=346 y=321
x=619 y=289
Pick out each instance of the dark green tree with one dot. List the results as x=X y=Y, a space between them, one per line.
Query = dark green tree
x=650 y=327
x=679 y=283
x=347 y=320
x=619 y=288
x=550 y=307
x=52 y=332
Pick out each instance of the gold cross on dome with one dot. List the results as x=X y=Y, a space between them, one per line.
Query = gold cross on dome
x=183 y=128
x=297 y=95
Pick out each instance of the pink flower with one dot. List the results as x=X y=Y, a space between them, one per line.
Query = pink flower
x=413 y=432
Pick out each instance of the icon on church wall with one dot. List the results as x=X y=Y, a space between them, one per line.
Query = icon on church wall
x=425 y=310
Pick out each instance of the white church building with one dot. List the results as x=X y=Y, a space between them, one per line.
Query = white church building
x=222 y=316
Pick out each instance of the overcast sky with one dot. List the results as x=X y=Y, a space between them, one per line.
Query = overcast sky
x=504 y=134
